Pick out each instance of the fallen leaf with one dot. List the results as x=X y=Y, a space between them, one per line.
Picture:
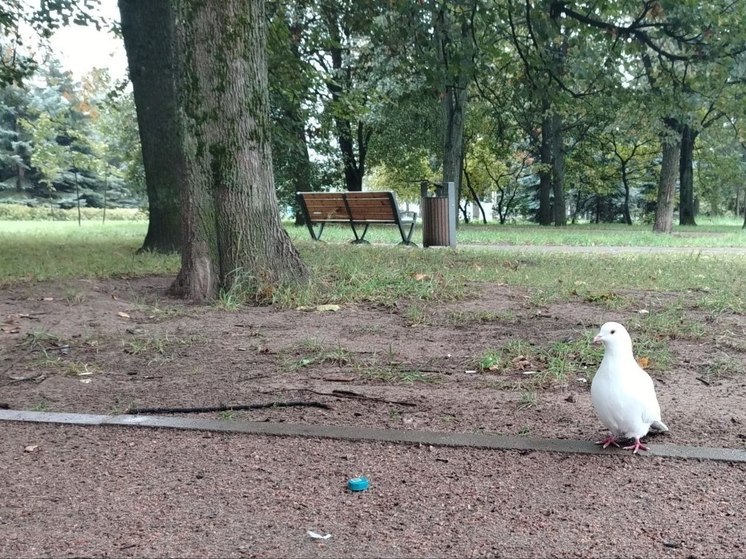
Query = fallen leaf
x=123 y=314
x=643 y=361
x=327 y=308
x=420 y=277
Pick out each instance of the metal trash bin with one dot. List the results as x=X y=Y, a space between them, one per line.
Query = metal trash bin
x=438 y=211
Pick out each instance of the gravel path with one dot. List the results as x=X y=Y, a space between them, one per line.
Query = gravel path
x=600 y=249
x=119 y=492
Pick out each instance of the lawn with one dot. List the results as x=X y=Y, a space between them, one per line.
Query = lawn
x=37 y=250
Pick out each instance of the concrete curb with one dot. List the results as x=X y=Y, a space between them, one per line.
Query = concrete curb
x=473 y=440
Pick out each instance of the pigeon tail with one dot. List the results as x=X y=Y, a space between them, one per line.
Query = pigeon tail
x=659 y=426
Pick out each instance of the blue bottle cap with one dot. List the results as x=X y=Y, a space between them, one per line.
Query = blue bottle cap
x=358 y=484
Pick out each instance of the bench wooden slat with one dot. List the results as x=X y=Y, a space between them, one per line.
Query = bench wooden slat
x=355 y=208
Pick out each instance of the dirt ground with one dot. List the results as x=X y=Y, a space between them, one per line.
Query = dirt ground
x=110 y=346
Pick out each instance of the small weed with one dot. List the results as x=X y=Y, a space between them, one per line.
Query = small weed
x=528 y=399
x=393 y=375
x=671 y=323
x=367 y=329
x=39 y=340
x=228 y=300
x=41 y=405
x=75 y=369
x=572 y=358
x=156 y=309
x=156 y=344
x=75 y=296
x=120 y=409
x=524 y=431
x=607 y=299
x=515 y=354
x=415 y=315
x=313 y=352
x=161 y=348
x=490 y=361
x=394 y=415
x=725 y=367
x=464 y=318
x=227 y=415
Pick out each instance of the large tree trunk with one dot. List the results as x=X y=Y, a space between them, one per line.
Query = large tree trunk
x=686 y=176
x=232 y=230
x=667 y=186
x=148 y=39
x=558 y=172
x=545 y=172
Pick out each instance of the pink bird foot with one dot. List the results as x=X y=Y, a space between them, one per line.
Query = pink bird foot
x=636 y=447
x=611 y=439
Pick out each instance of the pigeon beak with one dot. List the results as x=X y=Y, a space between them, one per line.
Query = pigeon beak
x=597 y=339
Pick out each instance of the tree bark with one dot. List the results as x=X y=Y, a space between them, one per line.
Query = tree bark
x=558 y=172
x=232 y=231
x=353 y=163
x=454 y=47
x=453 y=108
x=625 y=209
x=147 y=30
x=667 y=186
x=545 y=172
x=686 y=176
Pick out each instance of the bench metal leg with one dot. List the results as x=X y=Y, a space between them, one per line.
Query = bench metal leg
x=314 y=235
x=359 y=239
x=406 y=238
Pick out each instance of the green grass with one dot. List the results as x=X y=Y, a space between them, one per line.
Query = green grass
x=709 y=233
x=344 y=273
x=350 y=273
x=48 y=250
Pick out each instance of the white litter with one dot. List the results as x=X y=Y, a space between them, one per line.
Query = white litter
x=317 y=536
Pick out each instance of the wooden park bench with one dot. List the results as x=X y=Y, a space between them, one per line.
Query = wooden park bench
x=359 y=209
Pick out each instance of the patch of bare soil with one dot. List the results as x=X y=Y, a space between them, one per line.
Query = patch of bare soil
x=106 y=347
x=110 y=346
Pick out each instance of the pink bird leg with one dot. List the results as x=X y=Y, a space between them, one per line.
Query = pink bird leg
x=636 y=447
x=611 y=439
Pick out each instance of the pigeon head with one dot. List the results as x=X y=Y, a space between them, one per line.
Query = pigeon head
x=614 y=336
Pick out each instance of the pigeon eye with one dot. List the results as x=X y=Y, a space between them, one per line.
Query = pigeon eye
x=613 y=331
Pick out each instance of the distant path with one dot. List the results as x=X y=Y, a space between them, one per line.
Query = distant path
x=600 y=249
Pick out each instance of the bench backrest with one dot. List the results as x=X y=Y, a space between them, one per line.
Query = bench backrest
x=325 y=206
x=350 y=206
x=372 y=206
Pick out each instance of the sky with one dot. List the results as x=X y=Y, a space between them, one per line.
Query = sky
x=80 y=48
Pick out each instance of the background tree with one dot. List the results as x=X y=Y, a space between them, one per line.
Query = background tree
x=147 y=29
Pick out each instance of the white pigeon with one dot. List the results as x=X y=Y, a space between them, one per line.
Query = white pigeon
x=623 y=394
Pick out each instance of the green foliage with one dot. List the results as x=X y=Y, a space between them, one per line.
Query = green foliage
x=70 y=143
